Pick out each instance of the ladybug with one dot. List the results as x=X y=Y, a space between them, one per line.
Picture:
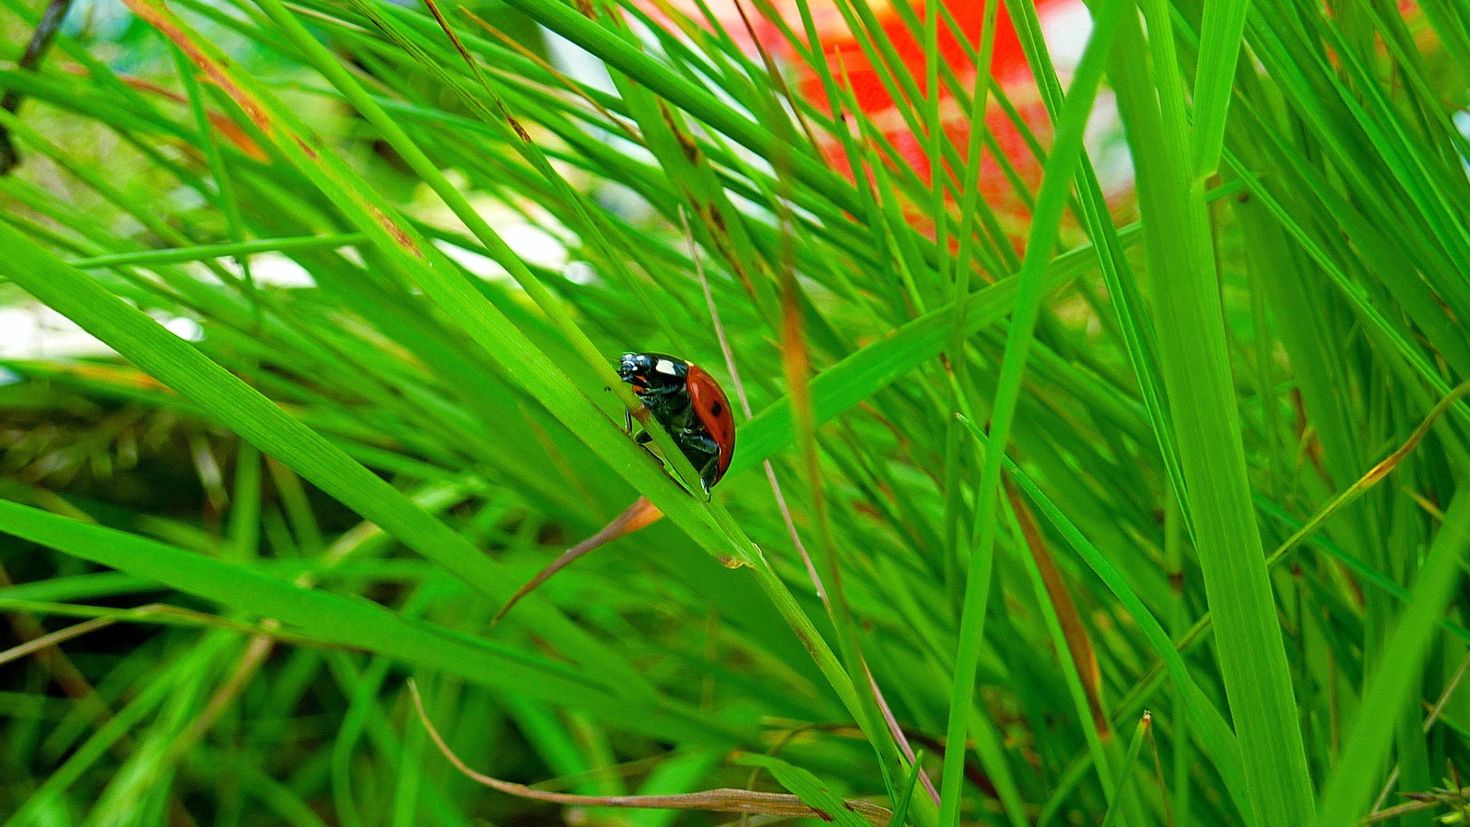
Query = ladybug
x=692 y=407
x=689 y=404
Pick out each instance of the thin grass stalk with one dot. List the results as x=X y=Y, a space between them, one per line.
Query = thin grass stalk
x=1056 y=182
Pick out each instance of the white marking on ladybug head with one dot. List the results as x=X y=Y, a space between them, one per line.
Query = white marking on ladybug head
x=664 y=366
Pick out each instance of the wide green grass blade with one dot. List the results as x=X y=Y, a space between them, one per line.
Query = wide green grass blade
x=1221 y=34
x=1196 y=368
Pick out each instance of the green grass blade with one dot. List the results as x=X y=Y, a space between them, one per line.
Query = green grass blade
x=1125 y=770
x=320 y=616
x=1056 y=184
x=1349 y=790
x=808 y=787
x=1221 y=34
x=1197 y=377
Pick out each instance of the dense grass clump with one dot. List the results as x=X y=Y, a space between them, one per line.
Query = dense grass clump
x=1102 y=433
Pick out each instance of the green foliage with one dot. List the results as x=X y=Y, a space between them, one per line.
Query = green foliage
x=223 y=556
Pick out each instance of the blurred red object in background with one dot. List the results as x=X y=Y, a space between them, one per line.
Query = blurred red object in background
x=849 y=64
x=846 y=58
x=842 y=49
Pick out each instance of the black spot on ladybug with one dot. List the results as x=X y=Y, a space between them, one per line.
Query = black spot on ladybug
x=717 y=409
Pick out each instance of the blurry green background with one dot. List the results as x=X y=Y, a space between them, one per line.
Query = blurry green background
x=308 y=318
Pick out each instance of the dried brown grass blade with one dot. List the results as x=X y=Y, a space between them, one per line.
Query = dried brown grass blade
x=722 y=800
x=640 y=514
x=1068 y=614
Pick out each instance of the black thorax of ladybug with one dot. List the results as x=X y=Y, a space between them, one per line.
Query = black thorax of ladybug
x=690 y=406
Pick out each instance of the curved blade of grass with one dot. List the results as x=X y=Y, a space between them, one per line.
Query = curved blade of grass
x=319 y=616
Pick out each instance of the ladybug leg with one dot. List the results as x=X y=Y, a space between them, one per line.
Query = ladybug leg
x=642 y=437
x=702 y=443
x=643 y=440
x=700 y=439
x=706 y=474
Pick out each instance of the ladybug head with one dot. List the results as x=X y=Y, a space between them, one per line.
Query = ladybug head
x=654 y=373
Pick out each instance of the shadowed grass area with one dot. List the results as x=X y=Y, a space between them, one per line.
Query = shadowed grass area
x=1040 y=370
